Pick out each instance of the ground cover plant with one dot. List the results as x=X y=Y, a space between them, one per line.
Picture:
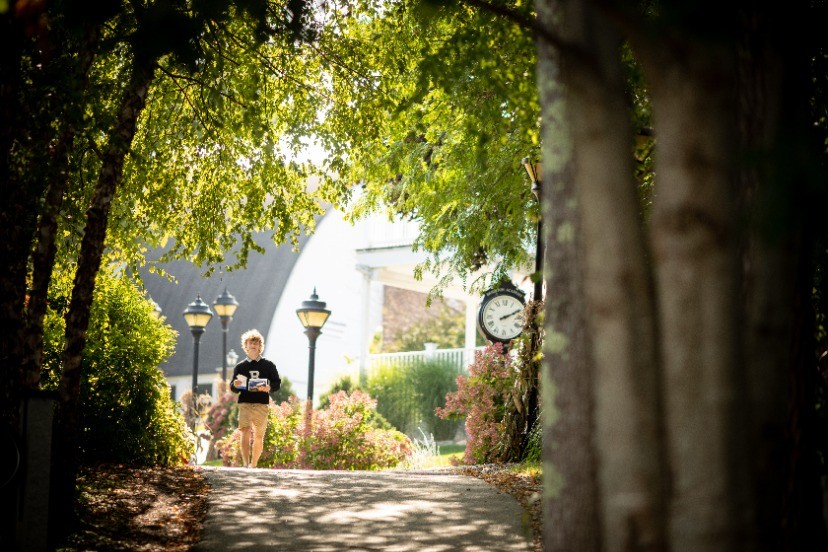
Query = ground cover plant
x=426 y=453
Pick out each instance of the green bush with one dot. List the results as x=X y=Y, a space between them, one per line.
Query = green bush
x=342 y=383
x=534 y=447
x=433 y=380
x=284 y=393
x=394 y=392
x=127 y=414
x=408 y=395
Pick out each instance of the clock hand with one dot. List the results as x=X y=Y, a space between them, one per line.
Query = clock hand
x=510 y=314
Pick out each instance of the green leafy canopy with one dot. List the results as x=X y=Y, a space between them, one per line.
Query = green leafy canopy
x=431 y=112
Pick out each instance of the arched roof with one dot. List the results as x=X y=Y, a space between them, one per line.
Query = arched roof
x=258 y=288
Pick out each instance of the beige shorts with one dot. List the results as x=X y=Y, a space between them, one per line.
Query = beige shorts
x=255 y=415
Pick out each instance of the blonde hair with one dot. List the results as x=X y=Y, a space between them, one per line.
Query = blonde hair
x=252 y=335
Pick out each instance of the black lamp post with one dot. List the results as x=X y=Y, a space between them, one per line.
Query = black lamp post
x=534 y=171
x=197 y=314
x=313 y=315
x=225 y=305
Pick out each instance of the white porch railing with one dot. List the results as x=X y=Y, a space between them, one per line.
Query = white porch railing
x=378 y=232
x=459 y=357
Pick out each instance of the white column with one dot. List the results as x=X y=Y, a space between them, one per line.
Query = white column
x=471 y=328
x=364 y=329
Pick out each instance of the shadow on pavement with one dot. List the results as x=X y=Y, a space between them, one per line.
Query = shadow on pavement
x=293 y=510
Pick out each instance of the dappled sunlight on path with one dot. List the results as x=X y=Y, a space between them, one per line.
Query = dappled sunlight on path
x=293 y=510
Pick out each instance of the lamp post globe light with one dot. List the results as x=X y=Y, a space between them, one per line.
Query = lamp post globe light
x=225 y=306
x=533 y=168
x=231 y=358
x=313 y=315
x=198 y=315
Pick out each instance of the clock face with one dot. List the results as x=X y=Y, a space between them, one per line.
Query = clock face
x=502 y=317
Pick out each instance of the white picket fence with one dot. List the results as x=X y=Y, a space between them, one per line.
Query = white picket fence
x=459 y=357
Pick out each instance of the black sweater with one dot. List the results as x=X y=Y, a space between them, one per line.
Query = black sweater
x=252 y=369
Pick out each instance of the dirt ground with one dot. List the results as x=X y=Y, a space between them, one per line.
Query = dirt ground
x=139 y=509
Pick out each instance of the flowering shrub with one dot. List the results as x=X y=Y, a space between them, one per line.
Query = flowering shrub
x=281 y=441
x=222 y=416
x=483 y=398
x=341 y=437
x=229 y=449
x=282 y=437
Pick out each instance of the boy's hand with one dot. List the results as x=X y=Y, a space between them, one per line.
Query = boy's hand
x=265 y=388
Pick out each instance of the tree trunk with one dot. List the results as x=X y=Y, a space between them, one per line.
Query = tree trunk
x=17 y=219
x=21 y=36
x=618 y=285
x=769 y=283
x=776 y=125
x=724 y=409
x=43 y=256
x=694 y=237
x=571 y=494
x=67 y=420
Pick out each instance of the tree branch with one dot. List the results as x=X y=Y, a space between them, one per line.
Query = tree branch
x=524 y=21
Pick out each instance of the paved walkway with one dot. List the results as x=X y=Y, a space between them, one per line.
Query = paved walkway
x=328 y=511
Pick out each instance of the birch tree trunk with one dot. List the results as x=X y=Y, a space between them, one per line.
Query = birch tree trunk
x=43 y=256
x=67 y=419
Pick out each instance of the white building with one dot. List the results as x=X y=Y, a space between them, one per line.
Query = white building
x=348 y=265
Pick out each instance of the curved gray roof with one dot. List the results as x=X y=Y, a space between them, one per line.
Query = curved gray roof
x=257 y=288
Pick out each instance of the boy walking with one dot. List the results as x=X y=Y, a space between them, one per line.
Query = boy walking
x=253 y=403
